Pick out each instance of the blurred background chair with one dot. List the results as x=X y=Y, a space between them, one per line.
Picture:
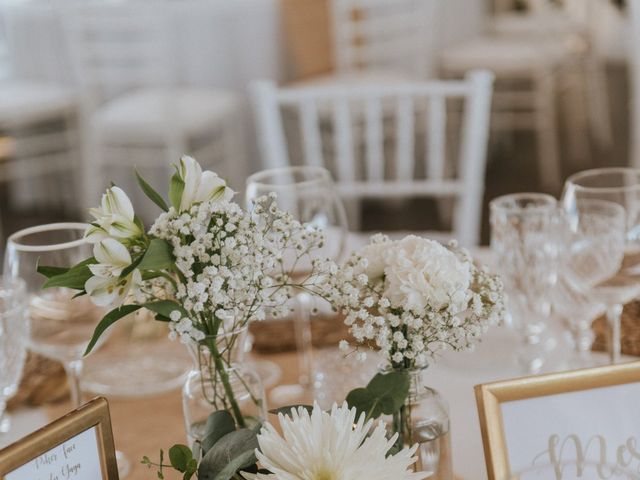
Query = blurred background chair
x=420 y=112
x=38 y=128
x=136 y=112
x=535 y=56
x=378 y=41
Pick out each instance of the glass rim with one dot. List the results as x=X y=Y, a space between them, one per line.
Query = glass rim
x=501 y=203
x=14 y=238
x=259 y=178
x=571 y=180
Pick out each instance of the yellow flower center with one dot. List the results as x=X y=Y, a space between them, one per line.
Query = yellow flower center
x=325 y=475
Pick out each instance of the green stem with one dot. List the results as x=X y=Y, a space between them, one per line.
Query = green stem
x=224 y=377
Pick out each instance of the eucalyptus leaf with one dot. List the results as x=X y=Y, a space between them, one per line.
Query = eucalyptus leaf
x=159 y=256
x=384 y=395
x=218 y=425
x=179 y=456
x=150 y=192
x=176 y=188
x=242 y=461
x=236 y=450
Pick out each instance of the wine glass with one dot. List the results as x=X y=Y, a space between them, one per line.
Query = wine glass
x=594 y=259
x=307 y=193
x=621 y=186
x=60 y=326
x=526 y=239
x=14 y=330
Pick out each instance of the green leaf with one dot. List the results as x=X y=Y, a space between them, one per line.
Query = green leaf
x=126 y=271
x=73 y=278
x=384 y=395
x=51 y=271
x=233 y=452
x=179 y=456
x=149 y=191
x=192 y=468
x=159 y=256
x=109 y=319
x=218 y=425
x=287 y=410
x=165 y=307
x=175 y=190
x=243 y=460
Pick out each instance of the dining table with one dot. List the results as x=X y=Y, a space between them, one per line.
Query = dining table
x=142 y=426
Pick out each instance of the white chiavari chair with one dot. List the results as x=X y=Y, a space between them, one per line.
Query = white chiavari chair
x=137 y=114
x=384 y=173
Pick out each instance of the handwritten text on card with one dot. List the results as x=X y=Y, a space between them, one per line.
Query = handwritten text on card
x=75 y=459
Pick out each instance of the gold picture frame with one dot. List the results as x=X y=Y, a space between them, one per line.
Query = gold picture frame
x=490 y=396
x=92 y=414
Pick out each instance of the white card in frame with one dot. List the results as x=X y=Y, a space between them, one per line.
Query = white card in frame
x=78 y=446
x=579 y=424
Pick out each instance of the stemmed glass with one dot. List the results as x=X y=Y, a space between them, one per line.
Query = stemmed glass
x=594 y=191
x=526 y=240
x=307 y=193
x=14 y=330
x=60 y=326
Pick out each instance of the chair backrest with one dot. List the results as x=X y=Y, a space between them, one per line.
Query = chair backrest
x=385 y=34
x=118 y=47
x=406 y=112
x=634 y=77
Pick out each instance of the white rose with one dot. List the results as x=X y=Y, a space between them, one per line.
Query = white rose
x=421 y=273
x=200 y=186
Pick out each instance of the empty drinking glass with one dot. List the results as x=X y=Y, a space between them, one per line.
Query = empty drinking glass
x=526 y=239
x=13 y=341
x=620 y=186
x=309 y=195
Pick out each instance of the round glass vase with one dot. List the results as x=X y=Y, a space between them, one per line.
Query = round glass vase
x=424 y=419
x=220 y=380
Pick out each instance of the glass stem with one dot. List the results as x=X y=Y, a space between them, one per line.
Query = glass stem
x=74 y=370
x=614 y=313
x=304 y=345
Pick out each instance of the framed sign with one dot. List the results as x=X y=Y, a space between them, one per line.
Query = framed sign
x=567 y=425
x=78 y=446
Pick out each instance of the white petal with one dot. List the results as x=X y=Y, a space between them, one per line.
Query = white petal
x=111 y=252
x=122 y=227
x=102 y=291
x=211 y=186
x=190 y=172
x=120 y=203
x=95 y=234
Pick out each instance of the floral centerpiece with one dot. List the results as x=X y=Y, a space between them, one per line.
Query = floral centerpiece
x=411 y=299
x=206 y=267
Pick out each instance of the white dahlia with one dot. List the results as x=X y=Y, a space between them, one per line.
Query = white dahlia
x=323 y=446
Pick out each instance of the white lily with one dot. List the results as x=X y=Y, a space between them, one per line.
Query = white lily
x=114 y=218
x=200 y=186
x=106 y=288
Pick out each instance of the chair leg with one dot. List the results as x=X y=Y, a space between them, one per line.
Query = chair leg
x=576 y=119
x=547 y=133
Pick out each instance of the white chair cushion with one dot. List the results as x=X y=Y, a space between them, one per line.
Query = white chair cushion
x=149 y=115
x=503 y=55
x=25 y=102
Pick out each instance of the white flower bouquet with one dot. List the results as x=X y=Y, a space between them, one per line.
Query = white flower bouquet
x=410 y=299
x=206 y=267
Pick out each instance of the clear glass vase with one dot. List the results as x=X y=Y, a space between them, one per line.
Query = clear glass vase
x=424 y=419
x=220 y=380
